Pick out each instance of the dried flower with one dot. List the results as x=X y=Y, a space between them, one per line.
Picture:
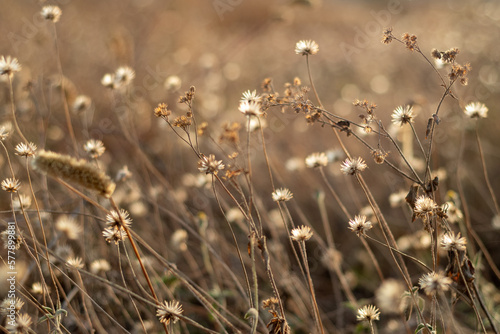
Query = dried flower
x=123 y=174
x=51 y=13
x=452 y=242
x=75 y=262
x=112 y=234
x=11 y=238
x=11 y=185
x=99 y=266
x=179 y=239
x=94 y=147
x=379 y=156
x=424 y=206
x=251 y=96
x=387 y=37
x=318 y=159
x=9 y=65
x=282 y=195
x=25 y=150
x=81 y=103
x=162 y=111
x=476 y=110
x=69 y=227
x=9 y=304
x=402 y=115
x=353 y=166
x=5 y=130
x=302 y=233
x=124 y=76
x=37 y=288
x=359 y=225
x=78 y=171
x=209 y=165
x=169 y=312
x=172 y=83
x=433 y=283
x=306 y=48
x=250 y=108
x=20 y=325
x=117 y=220
x=108 y=80
x=368 y=313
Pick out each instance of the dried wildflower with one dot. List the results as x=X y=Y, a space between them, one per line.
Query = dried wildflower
x=9 y=65
x=94 y=148
x=188 y=96
x=230 y=132
x=116 y=220
x=69 y=227
x=112 y=234
x=108 y=80
x=51 y=13
x=353 y=166
x=21 y=324
x=162 y=111
x=388 y=295
x=270 y=303
x=250 y=96
x=11 y=304
x=424 y=206
x=306 y=48
x=11 y=237
x=37 y=288
x=169 y=312
x=209 y=165
x=77 y=171
x=282 y=195
x=410 y=41
x=182 y=121
x=99 y=266
x=476 y=110
x=459 y=72
x=25 y=150
x=251 y=108
x=302 y=233
x=178 y=240
x=452 y=242
x=387 y=37
x=433 y=283
x=81 y=103
x=75 y=262
x=368 y=313
x=359 y=225
x=11 y=185
x=202 y=128
x=5 y=130
x=172 y=83
x=402 y=115
x=124 y=76
x=318 y=159
x=379 y=156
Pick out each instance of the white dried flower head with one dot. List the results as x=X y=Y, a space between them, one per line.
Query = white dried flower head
x=11 y=185
x=318 y=159
x=99 y=266
x=368 y=313
x=402 y=115
x=209 y=165
x=179 y=239
x=169 y=312
x=452 y=242
x=108 y=80
x=5 y=130
x=282 y=195
x=234 y=215
x=11 y=304
x=397 y=199
x=123 y=76
x=359 y=225
x=115 y=219
x=37 y=288
x=94 y=148
x=173 y=83
x=25 y=150
x=75 y=262
x=11 y=238
x=424 y=206
x=9 y=65
x=306 y=47
x=476 y=110
x=302 y=233
x=250 y=96
x=20 y=325
x=433 y=283
x=51 y=13
x=69 y=227
x=113 y=234
x=353 y=166
x=81 y=103
x=251 y=108
x=389 y=295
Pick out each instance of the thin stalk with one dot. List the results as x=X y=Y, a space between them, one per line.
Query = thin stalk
x=13 y=110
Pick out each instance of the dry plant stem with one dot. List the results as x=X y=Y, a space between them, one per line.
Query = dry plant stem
x=335 y=196
x=255 y=283
x=89 y=310
x=63 y=93
x=303 y=252
x=312 y=83
x=373 y=258
x=485 y=171
x=264 y=150
x=13 y=110
x=289 y=216
x=484 y=308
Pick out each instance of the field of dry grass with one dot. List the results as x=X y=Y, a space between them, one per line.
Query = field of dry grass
x=239 y=180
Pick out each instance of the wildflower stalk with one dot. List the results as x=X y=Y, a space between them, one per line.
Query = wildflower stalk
x=13 y=110
x=312 y=83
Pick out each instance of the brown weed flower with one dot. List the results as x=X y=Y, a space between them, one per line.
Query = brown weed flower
x=318 y=159
x=402 y=115
x=476 y=110
x=359 y=225
x=9 y=65
x=410 y=41
x=94 y=148
x=379 y=156
x=368 y=313
x=209 y=165
x=302 y=233
x=74 y=171
x=452 y=242
x=169 y=312
x=11 y=185
x=182 y=121
x=387 y=37
x=162 y=111
x=433 y=283
x=282 y=195
x=51 y=13
x=353 y=166
x=306 y=48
